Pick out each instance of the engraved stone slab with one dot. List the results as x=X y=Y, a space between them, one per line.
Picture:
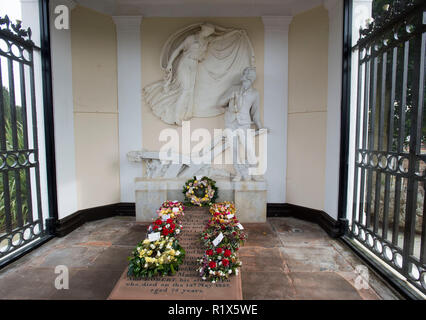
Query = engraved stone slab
x=186 y=283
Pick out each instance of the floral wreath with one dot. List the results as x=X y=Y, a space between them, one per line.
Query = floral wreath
x=173 y=209
x=159 y=258
x=234 y=236
x=169 y=227
x=218 y=264
x=223 y=210
x=220 y=260
x=202 y=192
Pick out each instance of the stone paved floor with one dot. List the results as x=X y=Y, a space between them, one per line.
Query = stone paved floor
x=284 y=258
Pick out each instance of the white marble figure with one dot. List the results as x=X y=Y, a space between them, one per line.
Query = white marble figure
x=200 y=62
x=242 y=109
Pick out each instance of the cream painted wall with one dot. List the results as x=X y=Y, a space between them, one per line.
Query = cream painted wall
x=307 y=115
x=154 y=33
x=94 y=79
x=95 y=100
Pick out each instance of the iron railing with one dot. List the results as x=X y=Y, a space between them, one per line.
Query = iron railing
x=388 y=214
x=21 y=219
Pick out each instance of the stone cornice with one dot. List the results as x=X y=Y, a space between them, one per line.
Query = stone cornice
x=276 y=23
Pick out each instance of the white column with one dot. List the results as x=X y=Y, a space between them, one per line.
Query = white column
x=129 y=100
x=276 y=103
x=361 y=11
x=63 y=108
x=334 y=96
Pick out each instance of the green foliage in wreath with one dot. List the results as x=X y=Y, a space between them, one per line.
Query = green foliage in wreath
x=201 y=192
x=158 y=258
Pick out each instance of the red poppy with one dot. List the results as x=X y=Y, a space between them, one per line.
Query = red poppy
x=165 y=232
x=227 y=253
x=212 y=264
x=209 y=252
x=225 y=262
x=155 y=227
x=219 y=250
x=158 y=222
x=169 y=221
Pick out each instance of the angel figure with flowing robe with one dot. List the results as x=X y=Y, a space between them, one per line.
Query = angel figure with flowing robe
x=200 y=63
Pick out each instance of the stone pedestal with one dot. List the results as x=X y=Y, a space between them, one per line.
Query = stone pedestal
x=249 y=197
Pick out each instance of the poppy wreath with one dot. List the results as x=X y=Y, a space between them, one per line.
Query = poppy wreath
x=202 y=192
x=157 y=258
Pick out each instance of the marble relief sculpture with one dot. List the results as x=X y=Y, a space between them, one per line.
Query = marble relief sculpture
x=200 y=62
x=241 y=105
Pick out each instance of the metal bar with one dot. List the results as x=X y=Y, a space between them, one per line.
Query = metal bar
x=18 y=229
x=403 y=106
x=371 y=141
x=382 y=103
x=391 y=153
x=3 y=145
x=3 y=115
x=397 y=210
x=15 y=143
x=29 y=166
x=13 y=58
x=12 y=105
x=384 y=241
x=384 y=171
x=419 y=86
x=35 y=139
x=412 y=186
x=423 y=238
x=357 y=131
x=25 y=142
x=49 y=136
x=361 y=214
x=23 y=106
x=380 y=142
x=389 y=144
x=400 y=142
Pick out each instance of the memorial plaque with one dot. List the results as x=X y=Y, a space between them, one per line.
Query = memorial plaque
x=186 y=284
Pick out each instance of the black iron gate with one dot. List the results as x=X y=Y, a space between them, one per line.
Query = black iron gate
x=388 y=215
x=21 y=217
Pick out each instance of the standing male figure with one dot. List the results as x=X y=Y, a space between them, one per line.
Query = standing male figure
x=241 y=110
